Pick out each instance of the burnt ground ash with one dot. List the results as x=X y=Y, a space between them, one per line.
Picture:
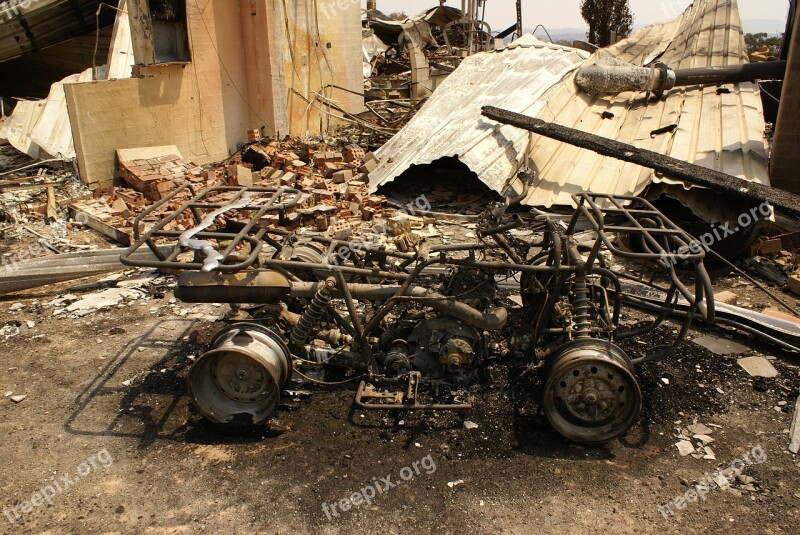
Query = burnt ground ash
x=116 y=380
x=174 y=473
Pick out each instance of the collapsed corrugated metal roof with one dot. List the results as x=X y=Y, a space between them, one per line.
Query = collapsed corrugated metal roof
x=29 y=26
x=723 y=130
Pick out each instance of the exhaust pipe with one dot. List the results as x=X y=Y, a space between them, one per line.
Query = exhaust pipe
x=271 y=287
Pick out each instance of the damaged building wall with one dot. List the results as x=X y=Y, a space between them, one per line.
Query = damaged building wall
x=197 y=106
x=237 y=79
x=265 y=80
x=322 y=44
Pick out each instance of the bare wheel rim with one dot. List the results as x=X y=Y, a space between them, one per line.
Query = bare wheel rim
x=591 y=395
x=240 y=378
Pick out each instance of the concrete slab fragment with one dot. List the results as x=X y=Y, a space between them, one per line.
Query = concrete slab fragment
x=720 y=346
x=758 y=367
x=685 y=447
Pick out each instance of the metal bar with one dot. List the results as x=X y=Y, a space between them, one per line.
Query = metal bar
x=508 y=31
x=351 y=306
x=640 y=229
x=516 y=223
x=289 y=264
x=746 y=72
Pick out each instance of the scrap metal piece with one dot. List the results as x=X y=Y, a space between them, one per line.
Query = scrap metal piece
x=262 y=286
x=24 y=274
x=777 y=331
x=598 y=79
x=405 y=400
x=794 y=432
x=372 y=393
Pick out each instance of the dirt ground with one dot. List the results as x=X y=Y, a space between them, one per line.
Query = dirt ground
x=106 y=441
x=110 y=387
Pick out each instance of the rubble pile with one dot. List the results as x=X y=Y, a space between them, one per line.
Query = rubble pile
x=332 y=177
x=335 y=200
x=38 y=191
x=694 y=440
x=155 y=177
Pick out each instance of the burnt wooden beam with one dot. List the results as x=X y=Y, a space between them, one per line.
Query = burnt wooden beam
x=783 y=201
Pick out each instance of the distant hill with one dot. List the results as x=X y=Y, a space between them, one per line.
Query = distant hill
x=560 y=34
x=771 y=27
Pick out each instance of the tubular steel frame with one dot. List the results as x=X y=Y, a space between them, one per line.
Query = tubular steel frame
x=659 y=237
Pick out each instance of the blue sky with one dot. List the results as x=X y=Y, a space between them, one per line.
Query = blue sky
x=565 y=13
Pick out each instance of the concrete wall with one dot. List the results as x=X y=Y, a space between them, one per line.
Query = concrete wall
x=321 y=40
x=240 y=77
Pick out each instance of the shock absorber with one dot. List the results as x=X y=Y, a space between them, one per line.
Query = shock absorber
x=581 y=307
x=312 y=314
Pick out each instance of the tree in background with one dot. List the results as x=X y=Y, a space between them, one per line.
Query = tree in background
x=764 y=44
x=605 y=16
x=398 y=15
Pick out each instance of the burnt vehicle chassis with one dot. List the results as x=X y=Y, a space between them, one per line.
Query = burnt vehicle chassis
x=416 y=327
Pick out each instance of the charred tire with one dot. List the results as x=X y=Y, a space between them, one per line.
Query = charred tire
x=591 y=394
x=237 y=383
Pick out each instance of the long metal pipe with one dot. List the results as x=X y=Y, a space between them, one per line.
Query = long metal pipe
x=617 y=77
x=491 y=321
x=747 y=72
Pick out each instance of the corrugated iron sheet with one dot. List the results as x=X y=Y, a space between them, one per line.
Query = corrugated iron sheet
x=35 y=25
x=723 y=129
x=520 y=78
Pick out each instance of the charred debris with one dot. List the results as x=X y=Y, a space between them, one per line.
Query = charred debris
x=410 y=292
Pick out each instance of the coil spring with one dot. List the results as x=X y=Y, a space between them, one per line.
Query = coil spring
x=581 y=309
x=312 y=314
